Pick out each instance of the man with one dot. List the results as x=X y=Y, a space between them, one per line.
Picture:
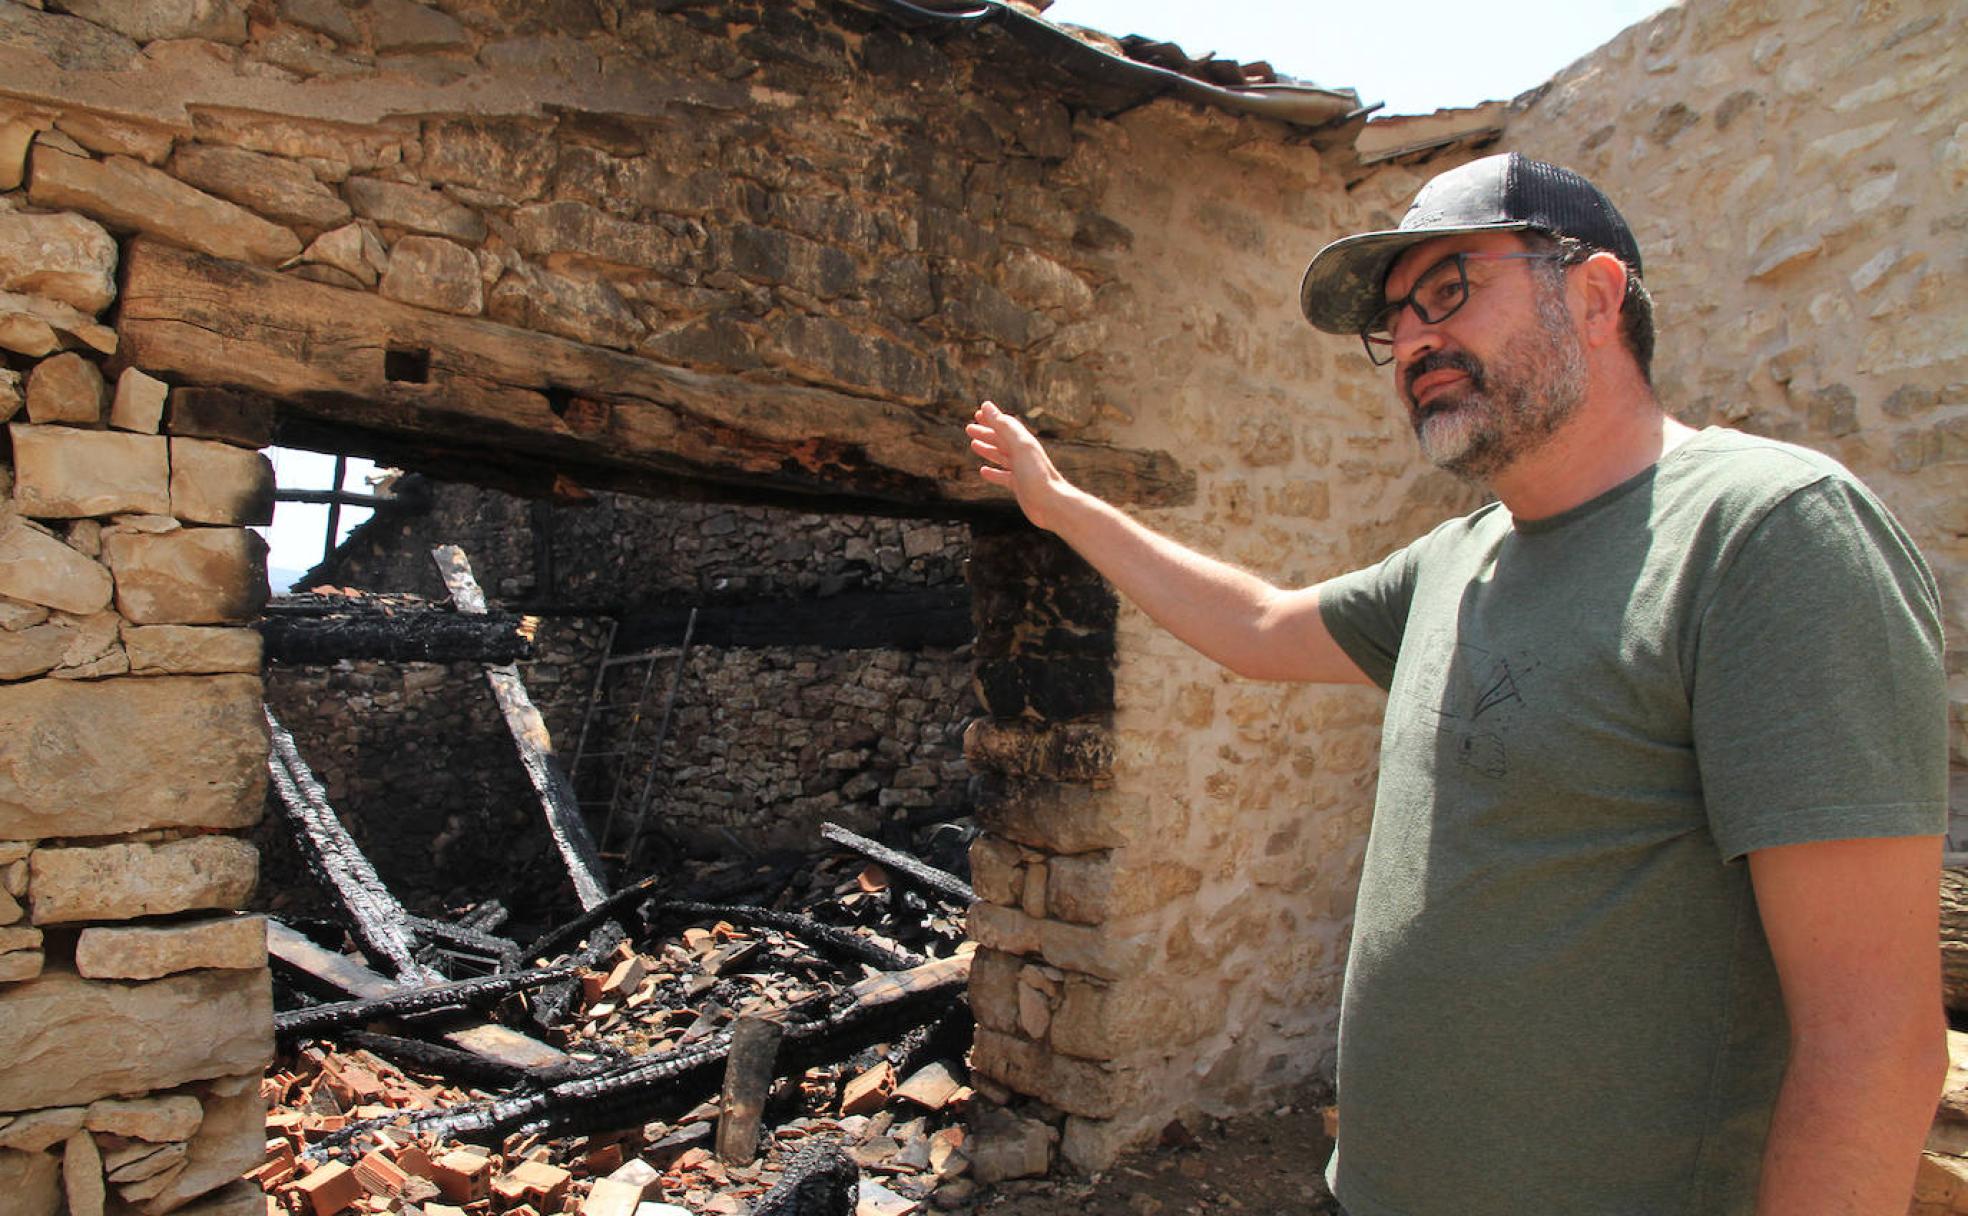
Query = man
x=1648 y=917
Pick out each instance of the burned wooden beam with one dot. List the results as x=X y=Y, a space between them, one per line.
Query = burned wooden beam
x=341 y=974
x=536 y=755
x=644 y=1089
x=498 y=953
x=433 y=1000
x=309 y=631
x=451 y=1063
x=820 y=1180
x=511 y=397
x=748 y=1074
x=942 y=882
x=835 y=942
x=888 y=620
x=371 y=913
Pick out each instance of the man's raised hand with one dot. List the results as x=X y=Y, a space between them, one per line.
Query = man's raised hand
x=1014 y=457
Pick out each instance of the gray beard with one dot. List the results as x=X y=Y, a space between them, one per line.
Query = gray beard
x=1507 y=412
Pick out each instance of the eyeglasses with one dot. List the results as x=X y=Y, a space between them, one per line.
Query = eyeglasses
x=1435 y=297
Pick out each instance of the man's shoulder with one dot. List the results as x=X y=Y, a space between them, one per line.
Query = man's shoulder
x=1735 y=476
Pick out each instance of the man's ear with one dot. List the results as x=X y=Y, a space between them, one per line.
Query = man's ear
x=1604 y=285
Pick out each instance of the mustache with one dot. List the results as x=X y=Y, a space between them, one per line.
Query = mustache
x=1436 y=360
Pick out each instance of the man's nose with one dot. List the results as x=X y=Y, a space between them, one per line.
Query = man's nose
x=1413 y=337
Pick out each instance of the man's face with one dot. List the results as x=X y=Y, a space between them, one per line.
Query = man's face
x=1492 y=381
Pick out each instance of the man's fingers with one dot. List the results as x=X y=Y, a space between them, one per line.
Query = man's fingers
x=995 y=475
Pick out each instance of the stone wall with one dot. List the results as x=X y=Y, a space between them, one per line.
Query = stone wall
x=135 y=1009
x=1796 y=175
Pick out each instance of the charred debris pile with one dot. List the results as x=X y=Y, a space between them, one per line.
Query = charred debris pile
x=731 y=1037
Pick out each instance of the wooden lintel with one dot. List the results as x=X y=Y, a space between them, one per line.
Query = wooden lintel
x=467 y=384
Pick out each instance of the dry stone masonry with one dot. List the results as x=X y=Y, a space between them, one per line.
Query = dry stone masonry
x=135 y=1007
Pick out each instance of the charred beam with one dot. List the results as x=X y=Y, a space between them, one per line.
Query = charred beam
x=942 y=882
x=536 y=755
x=829 y=940
x=325 y=969
x=488 y=392
x=432 y=1001
x=432 y=635
x=554 y=940
x=498 y=952
x=867 y=1013
x=370 y=912
x=820 y=1180
x=888 y=620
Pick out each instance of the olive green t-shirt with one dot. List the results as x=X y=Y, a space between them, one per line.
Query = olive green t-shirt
x=1559 y=998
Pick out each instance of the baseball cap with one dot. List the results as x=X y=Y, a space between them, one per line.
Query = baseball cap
x=1509 y=192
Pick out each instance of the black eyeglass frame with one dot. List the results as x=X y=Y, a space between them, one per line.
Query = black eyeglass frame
x=1380 y=350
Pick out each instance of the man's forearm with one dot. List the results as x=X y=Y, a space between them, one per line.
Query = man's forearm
x=1849 y=1125
x=1228 y=614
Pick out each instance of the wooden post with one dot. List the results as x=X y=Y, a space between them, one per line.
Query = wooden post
x=529 y=731
x=748 y=1074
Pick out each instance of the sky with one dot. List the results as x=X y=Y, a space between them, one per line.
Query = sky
x=1417 y=56
x=1442 y=53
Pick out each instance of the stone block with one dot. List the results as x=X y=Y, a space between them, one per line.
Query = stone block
x=191 y=649
x=30 y=325
x=152 y=1120
x=81 y=759
x=230 y=1141
x=272 y=186
x=510 y=156
x=67 y=1039
x=1066 y=751
x=1093 y=888
x=17 y=965
x=217 y=483
x=150 y=20
x=1064 y=818
x=242 y=419
x=402 y=26
x=584 y=309
x=994 y=988
x=145 y=952
x=31 y=1182
x=139 y=402
x=65 y=388
x=34 y=650
x=193 y=576
x=16 y=137
x=241 y=1198
x=69 y=42
x=323 y=17
x=1107 y=1021
x=36 y=568
x=1003 y=1145
x=82 y=1175
x=64 y=473
x=42 y=1129
x=996 y=872
x=431 y=272
x=352 y=249
x=1005 y=929
x=12 y=395
x=124 y=881
x=128 y=194
x=572 y=227
x=63 y=256
x=415 y=209
x=112 y=135
x=1079 y=1087
x=17 y=616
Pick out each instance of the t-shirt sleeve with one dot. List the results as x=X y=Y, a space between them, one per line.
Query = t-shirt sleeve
x=1819 y=700
x=1367 y=611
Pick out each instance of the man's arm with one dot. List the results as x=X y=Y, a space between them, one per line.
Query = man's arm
x=1854 y=927
x=1232 y=616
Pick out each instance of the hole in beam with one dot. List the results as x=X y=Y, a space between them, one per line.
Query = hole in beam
x=559 y=400
x=407 y=365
